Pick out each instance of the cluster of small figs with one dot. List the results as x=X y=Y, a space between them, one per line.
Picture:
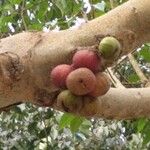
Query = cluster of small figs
x=84 y=76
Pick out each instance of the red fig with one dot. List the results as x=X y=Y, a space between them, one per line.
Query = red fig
x=59 y=74
x=81 y=81
x=86 y=58
x=102 y=85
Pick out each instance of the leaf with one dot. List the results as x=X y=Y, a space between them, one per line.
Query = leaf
x=35 y=26
x=84 y=128
x=42 y=11
x=77 y=8
x=61 y=5
x=15 y=1
x=65 y=120
x=141 y=124
x=8 y=7
x=95 y=1
x=145 y=53
x=45 y=132
x=148 y=44
x=32 y=127
x=66 y=6
x=56 y=12
x=48 y=114
x=75 y=124
x=146 y=137
x=17 y=110
x=133 y=78
x=86 y=123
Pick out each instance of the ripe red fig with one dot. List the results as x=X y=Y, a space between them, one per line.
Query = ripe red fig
x=59 y=74
x=102 y=85
x=81 y=81
x=87 y=59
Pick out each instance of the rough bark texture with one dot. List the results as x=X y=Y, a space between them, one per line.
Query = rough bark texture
x=26 y=60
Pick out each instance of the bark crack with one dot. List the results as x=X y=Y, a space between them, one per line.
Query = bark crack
x=11 y=69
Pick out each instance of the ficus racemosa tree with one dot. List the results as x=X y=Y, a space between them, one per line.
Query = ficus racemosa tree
x=27 y=59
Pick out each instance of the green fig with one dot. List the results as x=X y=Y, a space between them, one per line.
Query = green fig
x=69 y=102
x=109 y=47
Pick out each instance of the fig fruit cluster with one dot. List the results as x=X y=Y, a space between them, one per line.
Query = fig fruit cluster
x=83 y=76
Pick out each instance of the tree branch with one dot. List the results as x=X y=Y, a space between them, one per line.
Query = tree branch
x=114 y=79
x=120 y=104
x=137 y=68
x=26 y=60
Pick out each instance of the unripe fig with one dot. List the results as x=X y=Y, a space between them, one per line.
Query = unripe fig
x=59 y=74
x=69 y=102
x=81 y=81
x=109 y=47
x=102 y=85
x=87 y=59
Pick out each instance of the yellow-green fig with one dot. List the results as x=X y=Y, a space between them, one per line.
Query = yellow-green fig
x=109 y=47
x=69 y=102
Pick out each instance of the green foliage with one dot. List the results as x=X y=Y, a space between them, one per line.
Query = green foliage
x=28 y=127
x=34 y=15
x=145 y=52
x=75 y=123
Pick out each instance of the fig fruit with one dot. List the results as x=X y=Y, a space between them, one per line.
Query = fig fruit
x=86 y=58
x=81 y=81
x=102 y=85
x=69 y=102
x=59 y=75
x=109 y=47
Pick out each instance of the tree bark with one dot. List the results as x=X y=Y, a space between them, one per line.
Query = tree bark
x=119 y=104
x=26 y=60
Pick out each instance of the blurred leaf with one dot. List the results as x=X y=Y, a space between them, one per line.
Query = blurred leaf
x=133 y=78
x=68 y=7
x=63 y=5
x=65 y=120
x=45 y=132
x=17 y=110
x=84 y=128
x=32 y=127
x=145 y=52
x=148 y=44
x=8 y=7
x=35 y=26
x=86 y=124
x=48 y=114
x=141 y=124
x=75 y=124
x=15 y=1
x=146 y=138
x=42 y=11
x=95 y=1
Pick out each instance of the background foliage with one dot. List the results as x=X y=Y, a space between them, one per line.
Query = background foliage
x=29 y=127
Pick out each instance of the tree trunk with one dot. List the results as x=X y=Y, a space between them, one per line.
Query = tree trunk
x=26 y=60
